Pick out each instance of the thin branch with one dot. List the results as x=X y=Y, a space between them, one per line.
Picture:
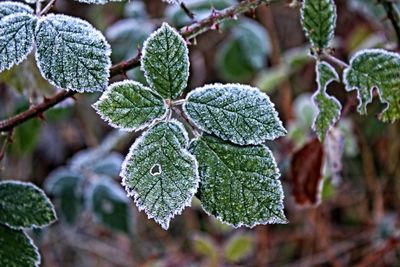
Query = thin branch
x=47 y=7
x=34 y=111
x=335 y=60
x=7 y=141
x=188 y=32
x=394 y=16
x=187 y=11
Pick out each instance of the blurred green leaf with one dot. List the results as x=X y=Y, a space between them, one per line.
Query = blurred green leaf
x=110 y=205
x=205 y=246
x=238 y=247
x=109 y=165
x=65 y=186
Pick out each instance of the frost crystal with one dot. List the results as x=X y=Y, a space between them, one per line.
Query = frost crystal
x=23 y=205
x=16 y=39
x=71 y=54
x=318 y=18
x=101 y=2
x=165 y=62
x=329 y=106
x=130 y=106
x=165 y=191
x=375 y=68
x=234 y=112
x=238 y=184
x=17 y=249
x=8 y=8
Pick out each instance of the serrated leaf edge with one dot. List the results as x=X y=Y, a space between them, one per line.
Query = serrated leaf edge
x=150 y=38
x=108 y=91
x=307 y=33
x=132 y=193
x=97 y=32
x=4 y=20
x=278 y=173
x=275 y=114
x=322 y=90
x=349 y=88
x=46 y=199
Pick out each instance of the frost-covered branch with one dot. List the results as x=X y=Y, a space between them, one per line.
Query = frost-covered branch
x=189 y=32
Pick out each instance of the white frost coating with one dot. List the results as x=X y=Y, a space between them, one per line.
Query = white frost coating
x=16 y=39
x=131 y=192
x=8 y=8
x=151 y=38
x=74 y=70
x=322 y=89
x=218 y=86
x=264 y=222
x=176 y=2
x=106 y=95
x=41 y=192
x=348 y=87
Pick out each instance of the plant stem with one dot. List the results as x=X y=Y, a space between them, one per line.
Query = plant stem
x=188 y=32
x=394 y=16
x=47 y=7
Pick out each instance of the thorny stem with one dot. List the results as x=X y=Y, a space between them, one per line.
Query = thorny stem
x=188 y=32
x=187 y=11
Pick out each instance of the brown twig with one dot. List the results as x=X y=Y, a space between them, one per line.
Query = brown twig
x=394 y=16
x=7 y=141
x=187 y=11
x=188 y=32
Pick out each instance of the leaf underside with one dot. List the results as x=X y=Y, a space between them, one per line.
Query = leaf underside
x=375 y=68
x=329 y=106
x=165 y=62
x=318 y=18
x=238 y=184
x=130 y=106
x=71 y=54
x=17 y=249
x=16 y=39
x=23 y=205
x=238 y=113
x=160 y=173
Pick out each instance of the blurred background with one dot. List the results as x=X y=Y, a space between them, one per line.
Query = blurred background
x=348 y=215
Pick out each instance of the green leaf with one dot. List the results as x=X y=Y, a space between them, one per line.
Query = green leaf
x=23 y=205
x=66 y=187
x=234 y=112
x=8 y=8
x=375 y=68
x=71 y=54
x=110 y=205
x=329 y=106
x=109 y=165
x=238 y=184
x=17 y=249
x=318 y=18
x=205 y=246
x=16 y=39
x=160 y=173
x=165 y=62
x=130 y=106
x=238 y=247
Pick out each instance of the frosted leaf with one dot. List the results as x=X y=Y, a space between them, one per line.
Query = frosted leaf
x=101 y=2
x=329 y=106
x=17 y=249
x=109 y=165
x=165 y=62
x=318 y=18
x=375 y=68
x=71 y=54
x=173 y=1
x=65 y=186
x=160 y=173
x=16 y=39
x=234 y=112
x=8 y=8
x=238 y=184
x=130 y=106
x=23 y=205
x=110 y=205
